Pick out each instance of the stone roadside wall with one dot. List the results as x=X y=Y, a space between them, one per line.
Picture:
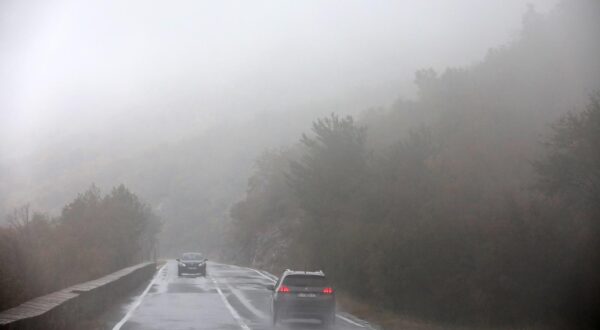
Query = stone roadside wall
x=68 y=307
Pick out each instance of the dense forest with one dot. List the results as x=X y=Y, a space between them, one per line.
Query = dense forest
x=94 y=235
x=477 y=203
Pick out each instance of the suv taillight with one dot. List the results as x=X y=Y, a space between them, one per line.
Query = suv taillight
x=328 y=291
x=283 y=289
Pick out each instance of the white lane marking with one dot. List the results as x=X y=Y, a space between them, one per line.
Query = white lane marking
x=233 y=312
x=270 y=275
x=245 y=301
x=261 y=274
x=350 y=321
x=138 y=302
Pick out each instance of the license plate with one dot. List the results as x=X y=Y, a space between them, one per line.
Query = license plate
x=307 y=295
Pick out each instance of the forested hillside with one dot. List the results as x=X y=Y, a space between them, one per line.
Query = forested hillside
x=94 y=235
x=190 y=182
x=460 y=205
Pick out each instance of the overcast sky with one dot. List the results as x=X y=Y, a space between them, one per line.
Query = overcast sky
x=69 y=66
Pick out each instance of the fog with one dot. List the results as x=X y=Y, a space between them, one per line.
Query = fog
x=448 y=149
x=70 y=69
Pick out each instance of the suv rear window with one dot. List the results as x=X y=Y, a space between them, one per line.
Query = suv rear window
x=305 y=280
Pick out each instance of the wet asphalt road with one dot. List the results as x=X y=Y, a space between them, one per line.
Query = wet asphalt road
x=229 y=298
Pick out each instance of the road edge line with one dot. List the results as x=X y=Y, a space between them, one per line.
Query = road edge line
x=275 y=278
x=350 y=321
x=138 y=302
x=261 y=274
x=240 y=296
x=233 y=312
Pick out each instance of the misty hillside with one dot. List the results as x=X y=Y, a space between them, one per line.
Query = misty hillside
x=474 y=204
x=498 y=111
x=490 y=119
x=192 y=175
x=191 y=181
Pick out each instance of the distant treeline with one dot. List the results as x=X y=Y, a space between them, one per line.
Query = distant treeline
x=465 y=206
x=94 y=236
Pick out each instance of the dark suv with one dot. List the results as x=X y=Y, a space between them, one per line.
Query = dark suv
x=191 y=263
x=303 y=295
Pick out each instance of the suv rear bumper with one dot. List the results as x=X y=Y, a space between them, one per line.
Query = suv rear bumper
x=292 y=310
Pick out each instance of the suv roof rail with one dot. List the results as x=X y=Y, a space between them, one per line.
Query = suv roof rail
x=317 y=272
